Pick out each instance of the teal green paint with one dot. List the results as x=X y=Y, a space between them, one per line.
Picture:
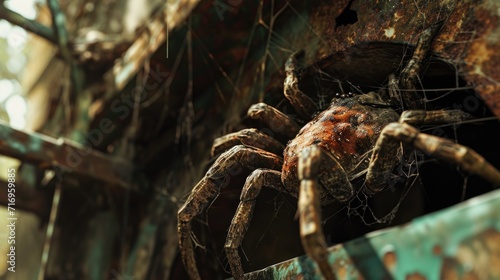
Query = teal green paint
x=35 y=144
x=101 y=233
x=18 y=147
x=447 y=229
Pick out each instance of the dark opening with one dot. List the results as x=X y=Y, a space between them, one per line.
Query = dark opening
x=347 y=16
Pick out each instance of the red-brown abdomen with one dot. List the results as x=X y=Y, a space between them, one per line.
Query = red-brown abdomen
x=347 y=130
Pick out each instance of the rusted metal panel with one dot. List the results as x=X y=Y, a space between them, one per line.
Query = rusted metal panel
x=461 y=241
x=469 y=37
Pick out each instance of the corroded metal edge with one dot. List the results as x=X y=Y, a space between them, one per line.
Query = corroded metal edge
x=463 y=240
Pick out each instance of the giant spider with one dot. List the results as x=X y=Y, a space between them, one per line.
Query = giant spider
x=319 y=161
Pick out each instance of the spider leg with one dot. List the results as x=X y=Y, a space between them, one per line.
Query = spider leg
x=422 y=117
x=241 y=220
x=385 y=152
x=276 y=120
x=302 y=103
x=409 y=75
x=208 y=189
x=249 y=137
x=313 y=239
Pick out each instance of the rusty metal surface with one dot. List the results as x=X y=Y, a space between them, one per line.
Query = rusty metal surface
x=462 y=241
x=64 y=155
x=469 y=38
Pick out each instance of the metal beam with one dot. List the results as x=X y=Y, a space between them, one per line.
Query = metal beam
x=30 y=25
x=64 y=156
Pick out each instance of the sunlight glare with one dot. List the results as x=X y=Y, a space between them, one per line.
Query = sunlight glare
x=26 y=8
x=16 y=109
x=5 y=28
x=6 y=89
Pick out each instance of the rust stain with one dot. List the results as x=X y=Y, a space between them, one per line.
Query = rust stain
x=482 y=60
x=390 y=260
x=492 y=243
x=477 y=257
x=341 y=272
x=437 y=250
x=449 y=269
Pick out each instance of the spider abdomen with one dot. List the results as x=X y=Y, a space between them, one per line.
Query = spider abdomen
x=347 y=130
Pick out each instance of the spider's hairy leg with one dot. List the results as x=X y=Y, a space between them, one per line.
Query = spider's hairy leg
x=409 y=75
x=249 y=137
x=313 y=239
x=280 y=123
x=241 y=220
x=385 y=153
x=302 y=103
x=440 y=148
x=208 y=189
x=422 y=117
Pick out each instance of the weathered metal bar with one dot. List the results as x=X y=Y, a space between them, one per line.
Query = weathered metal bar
x=154 y=34
x=64 y=156
x=59 y=27
x=133 y=59
x=30 y=25
x=461 y=241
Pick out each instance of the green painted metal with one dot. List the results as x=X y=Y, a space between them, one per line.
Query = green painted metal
x=30 y=25
x=462 y=240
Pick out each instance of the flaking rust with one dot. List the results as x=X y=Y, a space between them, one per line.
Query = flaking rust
x=469 y=38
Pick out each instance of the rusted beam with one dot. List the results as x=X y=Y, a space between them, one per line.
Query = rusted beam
x=64 y=156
